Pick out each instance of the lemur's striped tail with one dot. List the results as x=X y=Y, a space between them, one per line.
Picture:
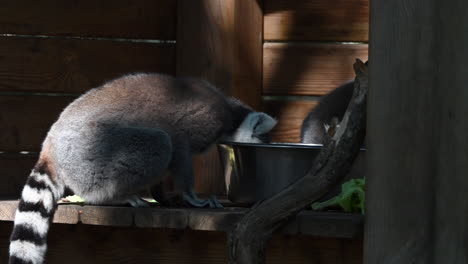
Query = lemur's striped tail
x=33 y=217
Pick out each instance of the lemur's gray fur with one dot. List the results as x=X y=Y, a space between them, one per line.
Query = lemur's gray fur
x=332 y=106
x=120 y=138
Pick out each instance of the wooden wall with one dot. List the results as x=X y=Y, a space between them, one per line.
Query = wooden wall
x=278 y=55
x=309 y=48
x=50 y=54
x=417 y=206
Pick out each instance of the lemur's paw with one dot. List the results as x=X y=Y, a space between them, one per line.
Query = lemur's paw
x=194 y=201
x=214 y=203
x=137 y=202
x=186 y=199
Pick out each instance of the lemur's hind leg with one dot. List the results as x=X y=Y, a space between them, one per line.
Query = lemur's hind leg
x=136 y=201
x=181 y=168
x=126 y=161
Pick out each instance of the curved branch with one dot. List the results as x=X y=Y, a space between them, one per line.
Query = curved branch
x=247 y=240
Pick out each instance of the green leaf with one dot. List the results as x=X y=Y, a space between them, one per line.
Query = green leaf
x=351 y=198
x=150 y=200
x=75 y=199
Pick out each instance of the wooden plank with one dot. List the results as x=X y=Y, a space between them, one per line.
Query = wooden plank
x=7 y=210
x=318 y=20
x=74 y=66
x=308 y=69
x=416 y=198
x=215 y=220
x=15 y=169
x=25 y=120
x=220 y=41
x=145 y=19
x=324 y=224
x=69 y=214
x=328 y=224
x=290 y=115
x=168 y=218
x=165 y=246
x=106 y=215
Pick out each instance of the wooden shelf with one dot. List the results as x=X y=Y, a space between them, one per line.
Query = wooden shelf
x=324 y=224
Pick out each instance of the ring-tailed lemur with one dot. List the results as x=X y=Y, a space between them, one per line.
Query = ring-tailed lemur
x=327 y=114
x=120 y=138
x=319 y=124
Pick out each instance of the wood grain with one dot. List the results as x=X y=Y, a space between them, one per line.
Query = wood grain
x=25 y=120
x=416 y=198
x=308 y=69
x=325 y=224
x=106 y=215
x=167 y=218
x=220 y=41
x=290 y=115
x=318 y=20
x=79 y=243
x=15 y=169
x=74 y=66
x=145 y=19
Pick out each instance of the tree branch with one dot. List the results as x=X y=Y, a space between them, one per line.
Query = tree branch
x=247 y=240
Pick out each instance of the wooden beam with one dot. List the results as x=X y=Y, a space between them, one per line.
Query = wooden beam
x=290 y=115
x=307 y=222
x=417 y=133
x=221 y=41
x=145 y=19
x=106 y=245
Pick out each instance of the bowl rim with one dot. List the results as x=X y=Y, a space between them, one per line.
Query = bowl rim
x=291 y=145
x=273 y=145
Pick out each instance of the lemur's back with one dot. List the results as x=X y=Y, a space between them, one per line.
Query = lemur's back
x=145 y=100
x=331 y=105
x=191 y=113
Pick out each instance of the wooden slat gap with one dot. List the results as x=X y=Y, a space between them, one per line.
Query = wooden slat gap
x=16 y=93
x=290 y=98
x=134 y=40
x=308 y=42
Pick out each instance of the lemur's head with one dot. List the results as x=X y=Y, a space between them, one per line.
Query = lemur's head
x=254 y=128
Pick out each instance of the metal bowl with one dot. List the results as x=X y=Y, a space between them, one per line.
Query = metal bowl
x=255 y=171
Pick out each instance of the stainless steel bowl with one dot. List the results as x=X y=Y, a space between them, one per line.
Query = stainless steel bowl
x=254 y=172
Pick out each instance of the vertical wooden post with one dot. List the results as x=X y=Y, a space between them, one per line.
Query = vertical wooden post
x=221 y=41
x=417 y=205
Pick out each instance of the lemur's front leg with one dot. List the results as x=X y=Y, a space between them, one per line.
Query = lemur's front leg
x=181 y=169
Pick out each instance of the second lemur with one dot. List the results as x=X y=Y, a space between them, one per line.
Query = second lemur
x=327 y=114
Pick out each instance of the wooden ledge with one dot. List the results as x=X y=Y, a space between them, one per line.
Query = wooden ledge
x=324 y=224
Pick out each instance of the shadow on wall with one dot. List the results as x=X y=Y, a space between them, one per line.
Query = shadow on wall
x=303 y=42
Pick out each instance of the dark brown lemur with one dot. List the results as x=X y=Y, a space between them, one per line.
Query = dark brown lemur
x=326 y=114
